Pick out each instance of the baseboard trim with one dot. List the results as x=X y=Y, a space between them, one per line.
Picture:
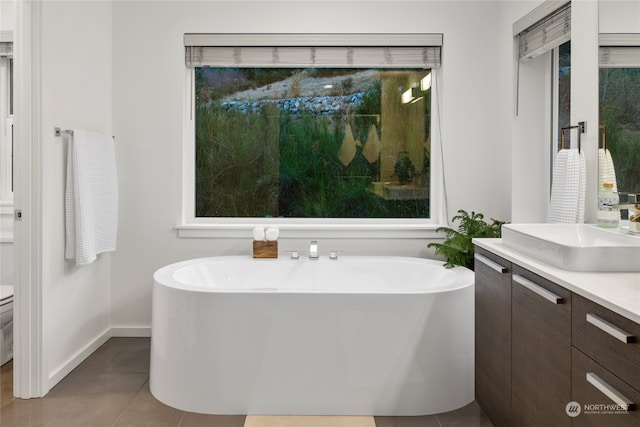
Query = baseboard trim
x=77 y=359
x=131 y=331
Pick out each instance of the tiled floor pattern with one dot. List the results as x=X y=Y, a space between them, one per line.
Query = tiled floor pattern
x=111 y=389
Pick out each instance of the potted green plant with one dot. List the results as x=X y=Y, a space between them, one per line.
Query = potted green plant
x=457 y=247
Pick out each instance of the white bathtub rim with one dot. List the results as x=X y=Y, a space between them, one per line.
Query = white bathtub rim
x=164 y=276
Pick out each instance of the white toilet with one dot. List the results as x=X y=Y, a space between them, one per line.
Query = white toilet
x=6 y=298
x=6 y=323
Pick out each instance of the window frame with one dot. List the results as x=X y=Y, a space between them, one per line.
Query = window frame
x=617 y=51
x=228 y=227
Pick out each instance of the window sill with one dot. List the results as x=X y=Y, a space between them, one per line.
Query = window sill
x=311 y=230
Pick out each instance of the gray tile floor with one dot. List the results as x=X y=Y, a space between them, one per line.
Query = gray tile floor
x=111 y=389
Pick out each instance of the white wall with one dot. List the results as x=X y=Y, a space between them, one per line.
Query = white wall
x=529 y=146
x=619 y=16
x=76 y=94
x=148 y=106
x=6 y=15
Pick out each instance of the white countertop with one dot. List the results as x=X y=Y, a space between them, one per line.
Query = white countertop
x=619 y=292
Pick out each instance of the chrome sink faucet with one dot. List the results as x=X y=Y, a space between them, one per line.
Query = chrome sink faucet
x=313 y=250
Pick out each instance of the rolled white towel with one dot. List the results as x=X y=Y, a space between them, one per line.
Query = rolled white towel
x=272 y=233
x=258 y=233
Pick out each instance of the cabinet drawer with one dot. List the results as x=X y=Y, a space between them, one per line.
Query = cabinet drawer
x=608 y=338
x=598 y=392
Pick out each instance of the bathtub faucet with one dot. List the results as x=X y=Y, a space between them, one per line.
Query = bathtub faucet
x=313 y=250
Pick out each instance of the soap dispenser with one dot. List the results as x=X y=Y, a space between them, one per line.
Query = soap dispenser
x=608 y=216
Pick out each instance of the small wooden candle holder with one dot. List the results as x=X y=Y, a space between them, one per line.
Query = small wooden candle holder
x=265 y=249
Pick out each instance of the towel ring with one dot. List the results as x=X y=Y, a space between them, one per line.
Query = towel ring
x=569 y=129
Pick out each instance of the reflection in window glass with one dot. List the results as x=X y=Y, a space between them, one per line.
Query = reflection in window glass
x=620 y=113
x=312 y=143
x=564 y=93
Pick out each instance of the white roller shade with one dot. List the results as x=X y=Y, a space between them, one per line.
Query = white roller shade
x=313 y=50
x=619 y=51
x=545 y=28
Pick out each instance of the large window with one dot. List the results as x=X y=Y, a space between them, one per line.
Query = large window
x=312 y=143
x=345 y=137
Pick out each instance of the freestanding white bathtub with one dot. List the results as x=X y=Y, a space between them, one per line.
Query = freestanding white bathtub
x=353 y=336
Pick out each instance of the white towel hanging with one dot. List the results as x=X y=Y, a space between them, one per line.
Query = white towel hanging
x=569 y=184
x=91 y=197
x=568 y=190
x=561 y=204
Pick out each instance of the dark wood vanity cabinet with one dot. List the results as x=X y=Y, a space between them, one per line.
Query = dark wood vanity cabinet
x=523 y=345
x=493 y=336
x=540 y=351
x=540 y=348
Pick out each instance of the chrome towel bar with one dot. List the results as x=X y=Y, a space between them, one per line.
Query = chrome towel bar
x=58 y=132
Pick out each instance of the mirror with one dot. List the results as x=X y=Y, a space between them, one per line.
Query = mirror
x=619 y=23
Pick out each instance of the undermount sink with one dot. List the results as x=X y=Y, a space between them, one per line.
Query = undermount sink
x=575 y=247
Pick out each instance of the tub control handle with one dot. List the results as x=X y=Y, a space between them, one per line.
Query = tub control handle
x=610 y=329
x=609 y=391
x=537 y=289
x=491 y=264
x=313 y=250
x=334 y=254
x=294 y=254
